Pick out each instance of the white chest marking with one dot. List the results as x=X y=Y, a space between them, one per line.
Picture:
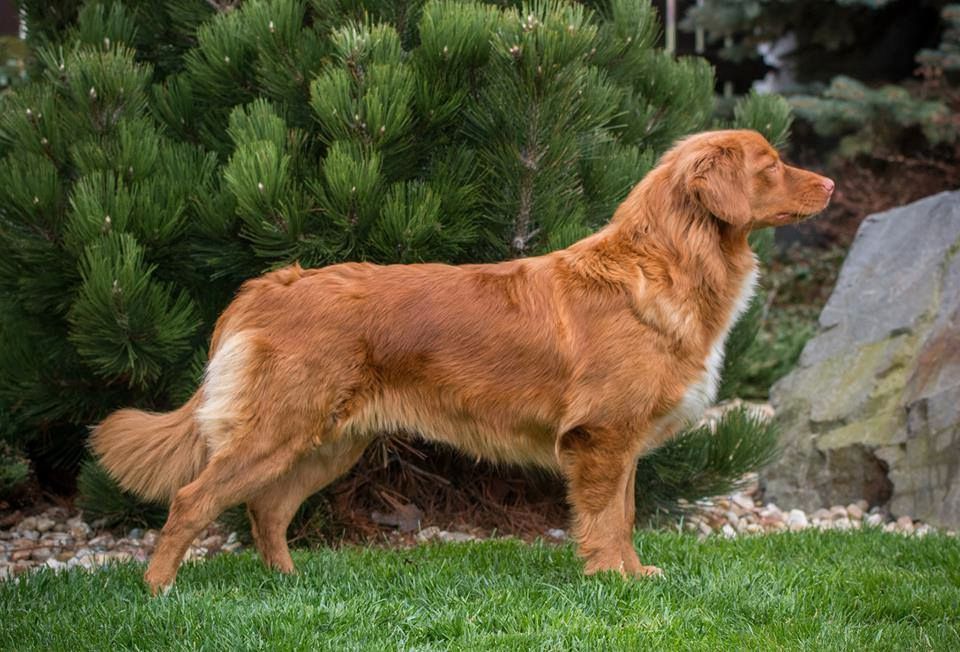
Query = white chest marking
x=702 y=393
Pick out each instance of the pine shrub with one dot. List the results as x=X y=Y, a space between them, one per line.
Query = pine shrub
x=165 y=151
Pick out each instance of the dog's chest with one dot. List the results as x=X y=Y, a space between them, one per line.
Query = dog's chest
x=702 y=393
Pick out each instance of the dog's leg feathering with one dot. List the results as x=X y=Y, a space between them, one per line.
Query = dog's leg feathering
x=600 y=467
x=273 y=508
x=235 y=474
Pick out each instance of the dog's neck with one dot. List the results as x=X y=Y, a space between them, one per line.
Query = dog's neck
x=686 y=267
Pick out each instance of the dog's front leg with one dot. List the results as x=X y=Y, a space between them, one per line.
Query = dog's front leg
x=600 y=467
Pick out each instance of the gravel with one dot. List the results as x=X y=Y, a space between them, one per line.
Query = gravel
x=743 y=513
x=60 y=539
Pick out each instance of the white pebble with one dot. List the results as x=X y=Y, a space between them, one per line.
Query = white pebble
x=854 y=511
x=797 y=520
x=838 y=511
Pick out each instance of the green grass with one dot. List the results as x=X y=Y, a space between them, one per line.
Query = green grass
x=863 y=590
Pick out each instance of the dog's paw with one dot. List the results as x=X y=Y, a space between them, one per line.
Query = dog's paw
x=648 y=571
x=624 y=567
x=157 y=586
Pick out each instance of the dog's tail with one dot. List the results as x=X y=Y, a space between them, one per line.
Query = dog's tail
x=151 y=454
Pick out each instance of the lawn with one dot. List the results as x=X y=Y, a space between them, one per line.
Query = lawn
x=810 y=590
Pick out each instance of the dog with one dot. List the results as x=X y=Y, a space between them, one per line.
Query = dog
x=581 y=360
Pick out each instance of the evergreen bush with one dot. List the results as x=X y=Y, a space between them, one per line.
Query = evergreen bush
x=166 y=151
x=844 y=54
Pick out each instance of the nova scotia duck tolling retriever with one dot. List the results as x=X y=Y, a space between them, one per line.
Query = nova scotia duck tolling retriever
x=580 y=361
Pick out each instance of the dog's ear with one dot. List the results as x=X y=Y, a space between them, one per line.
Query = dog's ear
x=717 y=180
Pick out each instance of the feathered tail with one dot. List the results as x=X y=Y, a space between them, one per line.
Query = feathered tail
x=149 y=453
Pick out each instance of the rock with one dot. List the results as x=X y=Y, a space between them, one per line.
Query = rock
x=44 y=524
x=195 y=552
x=875 y=520
x=873 y=408
x=904 y=524
x=150 y=538
x=231 y=538
x=743 y=502
x=20 y=555
x=797 y=520
x=55 y=564
x=135 y=534
x=838 y=511
x=212 y=542
x=771 y=511
x=41 y=554
x=557 y=533
x=81 y=562
x=29 y=523
x=854 y=512
x=821 y=515
x=102 y=542
x=79 y=530
x=704 y=528
x=435 y=533
x=728 y=531
x=58 y=538
x=428 y=533
x=842 y=524
x=456 y=537
x=81 y=553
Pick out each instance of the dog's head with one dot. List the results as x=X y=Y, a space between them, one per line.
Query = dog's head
x=739 y=178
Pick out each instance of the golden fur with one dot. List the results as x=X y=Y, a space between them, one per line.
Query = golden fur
x=580 y=360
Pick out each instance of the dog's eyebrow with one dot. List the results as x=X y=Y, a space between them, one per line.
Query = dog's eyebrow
x=766 y=158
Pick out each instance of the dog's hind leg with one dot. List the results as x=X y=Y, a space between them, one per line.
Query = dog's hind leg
x=272 y=509
x=236 y=473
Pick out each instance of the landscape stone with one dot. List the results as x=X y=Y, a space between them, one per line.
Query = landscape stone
x=44 y=524
x=797 y=520
x=872 y=410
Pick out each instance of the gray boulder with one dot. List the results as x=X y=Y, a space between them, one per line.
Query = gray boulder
x=873 y=408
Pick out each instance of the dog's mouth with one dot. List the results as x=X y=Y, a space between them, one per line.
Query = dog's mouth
x=792 y=218
x=803 y=213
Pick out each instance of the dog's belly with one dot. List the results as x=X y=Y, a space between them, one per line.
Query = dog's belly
x=500 y=438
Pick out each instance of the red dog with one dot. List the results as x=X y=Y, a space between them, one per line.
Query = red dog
x=580 y=360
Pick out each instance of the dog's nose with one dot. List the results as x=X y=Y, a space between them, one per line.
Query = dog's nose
x=828 y=185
